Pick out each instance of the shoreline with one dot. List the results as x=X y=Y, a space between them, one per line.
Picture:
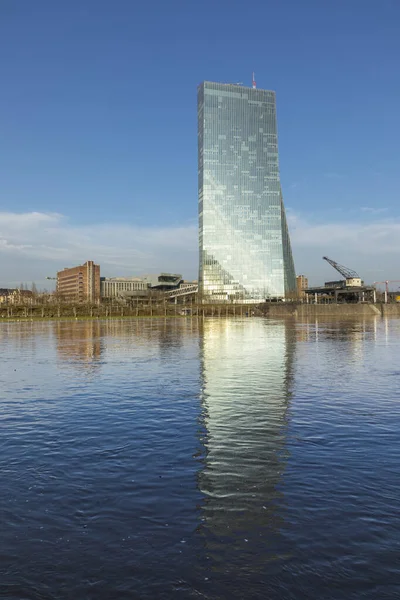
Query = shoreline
x=267 y=310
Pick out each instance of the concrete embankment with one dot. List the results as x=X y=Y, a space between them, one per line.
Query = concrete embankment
x=330 y=310
x=390 y=310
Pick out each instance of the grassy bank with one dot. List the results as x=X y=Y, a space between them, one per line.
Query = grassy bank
x=272 y=310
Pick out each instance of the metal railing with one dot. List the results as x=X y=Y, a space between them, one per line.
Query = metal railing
x=184 y=290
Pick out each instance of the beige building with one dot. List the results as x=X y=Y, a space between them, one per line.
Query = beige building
x=79 y=284
x=4 y=294
x=111 y=287
x=16 y=296
x=302 y=284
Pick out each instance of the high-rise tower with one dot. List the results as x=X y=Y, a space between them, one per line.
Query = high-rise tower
x=245 y=252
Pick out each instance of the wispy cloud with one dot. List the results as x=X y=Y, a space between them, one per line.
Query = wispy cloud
x=371 y=248
x=377 y=237
x=45 y=243
x=373 y=211
x=33 y=245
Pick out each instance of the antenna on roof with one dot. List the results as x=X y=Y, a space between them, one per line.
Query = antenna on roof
x=254 y=82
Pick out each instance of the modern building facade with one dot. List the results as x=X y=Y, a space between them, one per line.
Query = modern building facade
x=245 y=252
x=163 y=281
x=79 y=284
x=111 y=287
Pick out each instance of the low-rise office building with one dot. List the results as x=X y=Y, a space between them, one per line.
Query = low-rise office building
x=112 y=287
x=79 y=284
x=138 y=287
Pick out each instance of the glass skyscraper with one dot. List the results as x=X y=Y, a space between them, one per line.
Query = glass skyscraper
x=245 y=252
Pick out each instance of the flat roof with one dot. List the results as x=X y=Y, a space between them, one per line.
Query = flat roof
x=350 y=289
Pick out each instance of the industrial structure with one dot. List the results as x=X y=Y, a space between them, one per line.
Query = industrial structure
x=349 y=289
x=389 y=295
x=244 y=248
x=352 y=279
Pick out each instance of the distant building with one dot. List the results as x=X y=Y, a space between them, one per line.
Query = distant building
x=163 y=281
x=15 y=296
x=79 y=284
x=111 y=287
x=4 y=294
x=302 y=284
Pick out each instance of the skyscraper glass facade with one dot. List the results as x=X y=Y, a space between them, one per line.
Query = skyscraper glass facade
x=245 y=252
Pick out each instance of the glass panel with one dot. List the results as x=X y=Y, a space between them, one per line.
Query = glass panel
x=245 y=253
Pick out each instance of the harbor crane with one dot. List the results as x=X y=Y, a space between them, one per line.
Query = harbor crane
x=352 y=278
x=347 y=273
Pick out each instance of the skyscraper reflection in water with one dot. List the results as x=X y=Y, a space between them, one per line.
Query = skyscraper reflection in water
x=246 y=373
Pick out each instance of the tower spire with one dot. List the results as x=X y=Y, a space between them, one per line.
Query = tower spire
x=254 y=82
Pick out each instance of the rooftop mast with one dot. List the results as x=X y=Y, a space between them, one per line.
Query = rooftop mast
x=254 y=82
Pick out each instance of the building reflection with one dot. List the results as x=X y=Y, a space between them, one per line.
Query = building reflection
x=79 y=342
x=348 y=335
x=174 y=334
x=84 y=342
x=25 y=333
x=246 y=389
x=166 y=334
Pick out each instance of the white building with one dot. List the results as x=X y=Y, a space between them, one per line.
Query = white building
x=111 y=287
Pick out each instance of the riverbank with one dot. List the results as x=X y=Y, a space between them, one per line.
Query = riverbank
x=30 y=319
x=331 y=310
x=271 y=310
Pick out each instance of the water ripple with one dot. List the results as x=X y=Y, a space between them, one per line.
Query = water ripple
x=173 y=458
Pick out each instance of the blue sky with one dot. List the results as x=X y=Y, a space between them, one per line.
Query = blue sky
x=98 y=148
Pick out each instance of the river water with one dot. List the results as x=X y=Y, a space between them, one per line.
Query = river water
x=240 y=458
